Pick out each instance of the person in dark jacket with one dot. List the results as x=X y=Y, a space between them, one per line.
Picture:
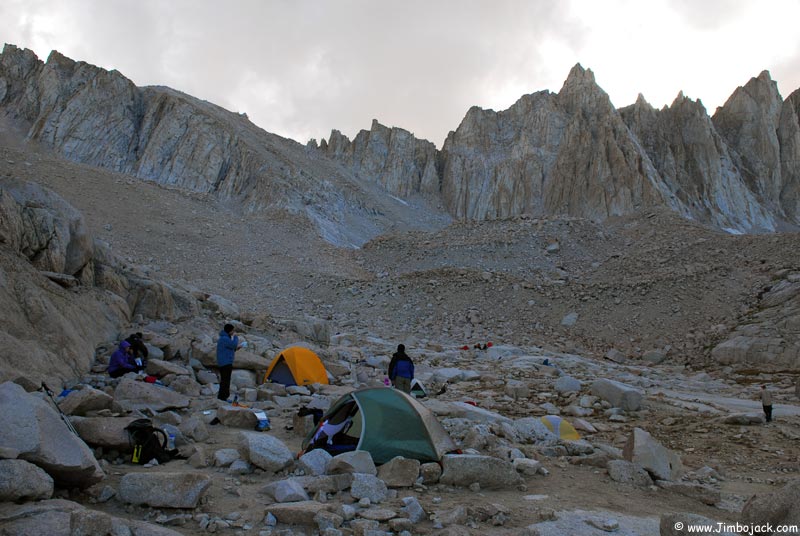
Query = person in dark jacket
x=122 y=361
x=401 y=369
x=140 y=352
x=227 y=345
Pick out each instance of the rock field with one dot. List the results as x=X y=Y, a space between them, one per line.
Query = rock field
x=657 y=332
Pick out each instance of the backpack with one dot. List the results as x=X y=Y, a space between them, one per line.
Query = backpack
x=147 y=442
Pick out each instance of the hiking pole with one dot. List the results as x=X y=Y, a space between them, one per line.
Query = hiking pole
x=64 y=418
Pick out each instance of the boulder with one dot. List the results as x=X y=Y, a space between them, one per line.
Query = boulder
x=23 y=481
x=399 y=472
x=164 y=490
x=778 y=507
x=225 y=457
x=91 y=523
x=244 y=360
x=139 y=395
x=237 y=417
x=157 y=367
x=185 y=385
x=655 y=357
x=430 y=473
x=195 y=429
x=356 y=461
x=567 y=384
x=628 y=473
x=243 y=379
x=325 y=483
x=106 y=432
x=289 y=490
x=569 y=320
x=32 y=427
x=464 y=411
x=618 y=394
x=533 y=430
x=645 y=451
x=490 y=473
x=527 y=466
x=316 y=462
x=43 y=518
x=85 y=400
x=370 y=487
x=743 y=419
x=413 y=509
x=264 y=451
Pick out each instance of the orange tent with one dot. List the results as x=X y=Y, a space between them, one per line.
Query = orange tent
x=296 y=366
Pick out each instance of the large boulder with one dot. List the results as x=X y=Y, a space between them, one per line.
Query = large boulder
x=23 y=481
x=42 y=518
x=399 y=472
x=237 y=417
x=618 y=394
x=628 y=473
x=779 y=507
x=356 y=461
x=164 y=490
x=85 y=400
x=368 y=487
x=264 y=451
x=138 y=395
x=645 y=451
x=250 y=361
x=490 y=473
x=106 y=432
x=160 y=368
x=297 y=513
x=32 y=427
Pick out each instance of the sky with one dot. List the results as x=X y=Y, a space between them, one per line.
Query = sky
x=300 y=68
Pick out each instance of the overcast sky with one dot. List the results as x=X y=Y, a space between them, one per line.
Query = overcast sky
x=300 y=68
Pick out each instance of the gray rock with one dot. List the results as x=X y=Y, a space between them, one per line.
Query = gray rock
x=628 y=473
x=185 y=385
x=369 y=487
x=85 y=400
x=618 y=394
x=413 y=509
x=778 y=507
x=326 y=483
x=106 y=432
x=195 y=429
x=490 y=473
x=206 y=377
x=533 y=430
x=527 y=466
x=289 y=490
x=297 y=513
x=616 y=356
x=356 y=461
x=23 y=481
x=225 y=457
x=240 y=467
x=567 y=384
x=38 y=434
x=569 y=320
x=237 y=417
x=137 y=395
x=164 y=490
x=655 y=357
x=430 y=473
x=315 y=462
x=744 y=419
x=159 y=368
x=399 y=472
x=243 y=379
x=264 y=451
x=645 y=451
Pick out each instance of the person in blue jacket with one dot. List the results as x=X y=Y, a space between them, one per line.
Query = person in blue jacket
x=227 y=345
x=122 y=361
x=401 y=369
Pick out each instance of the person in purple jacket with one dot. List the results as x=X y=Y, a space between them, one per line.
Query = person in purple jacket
x=122 y=361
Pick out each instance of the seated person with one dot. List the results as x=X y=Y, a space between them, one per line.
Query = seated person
x=122 y=361
x=140 y=352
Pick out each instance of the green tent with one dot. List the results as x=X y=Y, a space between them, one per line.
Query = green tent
x=384 y=422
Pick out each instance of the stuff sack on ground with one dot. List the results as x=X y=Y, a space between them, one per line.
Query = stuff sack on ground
x=147 y=442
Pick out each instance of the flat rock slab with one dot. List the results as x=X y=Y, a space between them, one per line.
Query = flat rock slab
x=297 y=513
x=587 y=523
x=377 y=514
x=164 y=490
x=132 y=395
x=490 y=473
x=618 y=394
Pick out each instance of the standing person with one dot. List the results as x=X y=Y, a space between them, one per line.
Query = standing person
x=227 y=345
x=122 y=361
x=140 y=352
x=401 y=369
x=766 y=402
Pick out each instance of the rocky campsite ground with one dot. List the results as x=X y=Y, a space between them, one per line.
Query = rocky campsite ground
x=639 y=300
